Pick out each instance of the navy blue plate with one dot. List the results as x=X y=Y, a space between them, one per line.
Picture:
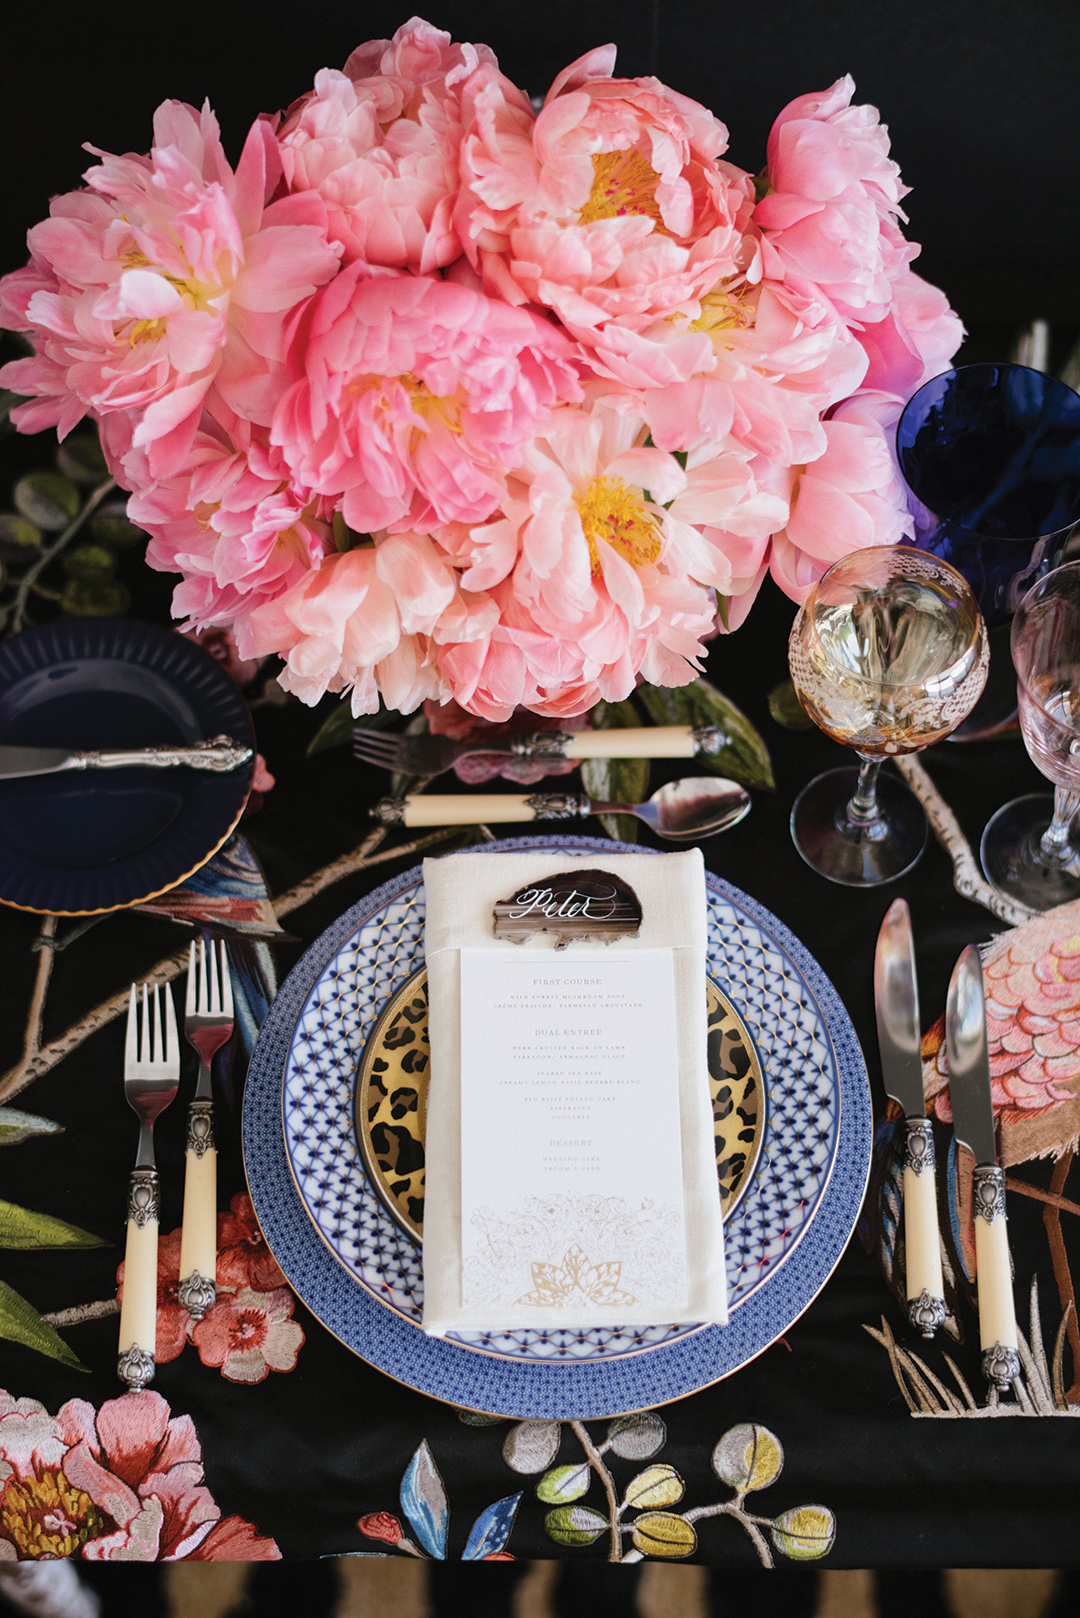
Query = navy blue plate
x=78 y=844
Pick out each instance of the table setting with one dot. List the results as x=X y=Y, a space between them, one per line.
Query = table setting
x=491 y=1079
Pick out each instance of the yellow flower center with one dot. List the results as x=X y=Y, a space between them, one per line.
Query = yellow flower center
x=45 y=1518
x=730 y=305
x=194 y=294
x=624 y=183
x=611 y=512
x=425 y=404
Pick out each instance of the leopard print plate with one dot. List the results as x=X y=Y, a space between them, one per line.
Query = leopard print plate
x=391 y=1100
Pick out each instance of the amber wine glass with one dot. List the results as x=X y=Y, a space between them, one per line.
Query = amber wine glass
x=888 y=655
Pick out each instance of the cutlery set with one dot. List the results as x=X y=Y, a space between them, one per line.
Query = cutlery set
x=151 y=1079
x=896 y=1003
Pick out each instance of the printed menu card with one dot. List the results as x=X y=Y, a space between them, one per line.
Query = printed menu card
x=570 y=1156
x=568 y=1063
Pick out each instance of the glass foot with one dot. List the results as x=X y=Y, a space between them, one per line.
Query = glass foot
x=859 y=856
x=1013 y=862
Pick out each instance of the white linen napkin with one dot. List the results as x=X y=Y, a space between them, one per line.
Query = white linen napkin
x=461 y=891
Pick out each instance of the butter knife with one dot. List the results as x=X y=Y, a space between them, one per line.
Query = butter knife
x=896 y=1001
x=219 y=755
x=973 y=1123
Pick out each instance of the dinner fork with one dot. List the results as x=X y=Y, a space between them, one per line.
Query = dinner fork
x=431 y=755
x=208 y=1023
x=151 y=1076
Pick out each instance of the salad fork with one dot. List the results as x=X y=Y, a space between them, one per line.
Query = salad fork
x=431 y=755
x=208 y=1023
x=151 y=1076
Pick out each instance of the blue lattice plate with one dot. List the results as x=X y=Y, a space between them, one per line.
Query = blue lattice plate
x=359 y=1269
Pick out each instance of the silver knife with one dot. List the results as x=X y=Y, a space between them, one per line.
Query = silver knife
x=896 y=1001
x=973 y=1123
x=220 y=754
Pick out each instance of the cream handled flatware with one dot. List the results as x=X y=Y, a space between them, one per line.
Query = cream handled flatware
x=973 y=1123
x=896 y=1002
x=208 y=1023
x=431 y=755
x=151 y=1075
x=681 y=811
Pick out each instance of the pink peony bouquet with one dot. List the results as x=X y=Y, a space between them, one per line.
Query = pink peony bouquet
x=441 y=397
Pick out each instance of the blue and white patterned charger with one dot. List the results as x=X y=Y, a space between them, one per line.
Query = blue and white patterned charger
x=360 y=1272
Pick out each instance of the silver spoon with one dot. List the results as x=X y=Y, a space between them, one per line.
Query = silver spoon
x=682 y=811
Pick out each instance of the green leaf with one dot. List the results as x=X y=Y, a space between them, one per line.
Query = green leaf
x=19 y=539
x=346 y=538
x=109 y=600
x=47 y=499
x=804 y=1533
x=335 y=730
x=786 y=709
x=637 y=1438
x=80 y=459
x=110 y=527
x=90 y=564
x=743 y=756
x=575 y=1525
x=16 y=1126
x=662 y=1533
x=20 y=1323
x=21 y=1227
x=656 y=1486
x=620 y=780
x=564 y=1483
x=476 y=1418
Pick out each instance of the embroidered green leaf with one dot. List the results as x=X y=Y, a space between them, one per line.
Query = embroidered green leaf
x=618 y=780
x=336 y=729
x=748 y=1457
x=530 y=1446
x=804 y=1533
x=656 y=1486
x=662 y=1533
x=637 y=1438
x=18 y=538
x=743 y=756
x=110 y=527
x=786 y=708
x=20 y=1323
x=476 y=1418
x=81 y=459
x=47 y=499
x=575 y=1525
x=16 y=1126
x=90 y=564
x=110 y=599
x=21 y=1227
x=564 y=1483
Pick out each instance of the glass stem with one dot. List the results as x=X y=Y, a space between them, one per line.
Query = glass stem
x=1054 y=845
x=862 y=809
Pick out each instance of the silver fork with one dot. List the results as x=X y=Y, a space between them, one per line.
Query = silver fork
x=431 y=755
x=208 y=1023
x=151 y=1076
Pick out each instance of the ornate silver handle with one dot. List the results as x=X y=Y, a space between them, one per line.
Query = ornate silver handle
x=220 y=755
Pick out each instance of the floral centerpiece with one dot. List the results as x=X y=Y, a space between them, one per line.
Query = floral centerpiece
x=440 y=396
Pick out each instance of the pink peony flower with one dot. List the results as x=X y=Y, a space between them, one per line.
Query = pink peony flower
x=597 y=567
x=412 y=396
x=916 y=339
x=168 y=276
x=610 y=209
x=850 y=497
x=829 y=218
x=249 y=1334
x=379 y=143
x=122 y=1483
x=235 y=525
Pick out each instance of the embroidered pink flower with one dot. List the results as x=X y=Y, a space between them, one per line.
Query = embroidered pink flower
x=413 y=395
x=611 y=209
x=379 y=143
x=173 y=1319
x=249 y=1334
x=121 y=1483
x=170 y=274
x=244 y=1260
x=381 y=1525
